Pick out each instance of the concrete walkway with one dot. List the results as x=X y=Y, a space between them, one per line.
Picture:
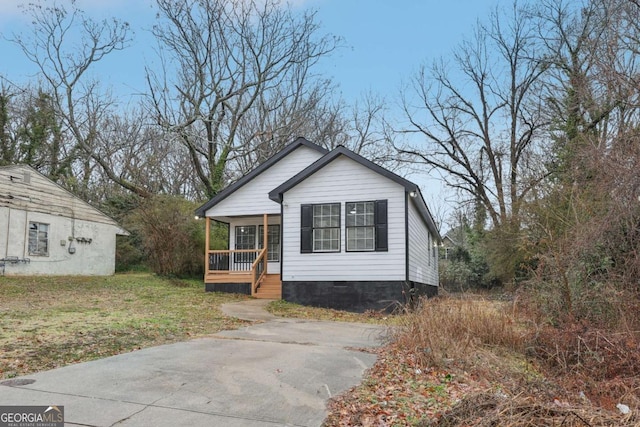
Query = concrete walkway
x=277 y=373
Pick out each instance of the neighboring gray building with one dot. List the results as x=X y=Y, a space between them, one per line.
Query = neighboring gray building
x=46 y=230
x=342 y=232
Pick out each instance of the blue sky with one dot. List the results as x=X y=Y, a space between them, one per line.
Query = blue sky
x=385 y=41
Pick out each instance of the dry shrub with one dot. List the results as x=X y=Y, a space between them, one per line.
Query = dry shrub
x=587 y=238
x=172 y=239
x=490 y=409
x=445 y=328
x=602 y=364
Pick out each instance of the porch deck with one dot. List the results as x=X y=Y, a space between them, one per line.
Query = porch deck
x=243 y=266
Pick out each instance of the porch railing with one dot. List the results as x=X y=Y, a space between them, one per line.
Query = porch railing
x=249 y=262
x=258 y=270
x=240 y=260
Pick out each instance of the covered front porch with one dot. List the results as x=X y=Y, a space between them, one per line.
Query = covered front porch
x=248 y=266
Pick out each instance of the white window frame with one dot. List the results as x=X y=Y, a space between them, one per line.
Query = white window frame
x=244 y=257
x=360 y=220
x=40 y=232
x=326 y=237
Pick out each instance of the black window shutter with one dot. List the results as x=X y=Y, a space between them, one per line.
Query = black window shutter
x=381 y=225
x=306 y=229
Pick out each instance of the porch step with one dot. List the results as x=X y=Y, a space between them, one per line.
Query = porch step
x=270 y=288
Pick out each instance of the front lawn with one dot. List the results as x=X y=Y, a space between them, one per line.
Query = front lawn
x=282 y=308
x=48 y=322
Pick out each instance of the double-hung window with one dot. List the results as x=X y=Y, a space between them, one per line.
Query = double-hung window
x=326 y=228
x=320 y=228
x=360 y=226
x=38 y=239
x=365 y=227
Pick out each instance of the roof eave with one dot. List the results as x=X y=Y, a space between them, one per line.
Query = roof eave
x=300 y=141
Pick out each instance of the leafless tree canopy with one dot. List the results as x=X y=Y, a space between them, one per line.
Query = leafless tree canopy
x=64 y=45
x=475 y=118
x=236 y=77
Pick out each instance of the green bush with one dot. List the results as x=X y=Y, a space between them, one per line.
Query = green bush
x=172 y=239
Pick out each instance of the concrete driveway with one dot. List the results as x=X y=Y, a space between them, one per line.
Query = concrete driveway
x=278 y=373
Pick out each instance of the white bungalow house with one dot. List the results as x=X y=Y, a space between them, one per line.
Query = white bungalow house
x=341 y=232
x=46 y=230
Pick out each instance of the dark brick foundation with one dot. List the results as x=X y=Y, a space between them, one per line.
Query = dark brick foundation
x=229 y=288
x=357 y=296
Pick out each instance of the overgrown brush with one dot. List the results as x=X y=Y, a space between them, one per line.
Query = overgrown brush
x=602 y=364
x=489 y=409
x=442 y=329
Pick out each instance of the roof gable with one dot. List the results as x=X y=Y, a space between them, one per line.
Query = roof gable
x=276 y=194
x=23 y=187
x=410 y=187
x=257 y=171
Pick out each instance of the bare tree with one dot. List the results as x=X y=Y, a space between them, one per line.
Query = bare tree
x=316 y=116
x=590 y=88
x=142 y=154
x=222 y=61
x=65 y=45
x=476 y=122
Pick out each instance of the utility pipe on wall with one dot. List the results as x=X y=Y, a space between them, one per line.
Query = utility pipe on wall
x=6 y=235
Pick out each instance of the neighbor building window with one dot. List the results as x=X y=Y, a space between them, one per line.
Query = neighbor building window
x=245 y=239
x=360 y=226
x=273 y=241
x=38 y=239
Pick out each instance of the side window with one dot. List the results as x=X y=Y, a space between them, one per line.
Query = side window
x=360 y=226
x=38 y=239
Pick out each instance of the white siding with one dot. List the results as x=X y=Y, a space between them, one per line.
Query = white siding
x=423 y=262
x=253 y=197
x=344 y=180
x=95 y=258
x=272 y=267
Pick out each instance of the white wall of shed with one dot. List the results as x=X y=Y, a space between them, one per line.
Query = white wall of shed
x=95 y=258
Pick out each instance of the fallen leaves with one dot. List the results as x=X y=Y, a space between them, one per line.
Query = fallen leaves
x=397 y=391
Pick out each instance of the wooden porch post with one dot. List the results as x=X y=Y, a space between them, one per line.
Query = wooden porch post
x=207 y=244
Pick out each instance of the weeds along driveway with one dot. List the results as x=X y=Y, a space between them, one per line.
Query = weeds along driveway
x=281 y=372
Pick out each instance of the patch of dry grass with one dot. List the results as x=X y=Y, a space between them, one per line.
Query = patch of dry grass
x=446 y=329
x=48 y=322
x=290 y=310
